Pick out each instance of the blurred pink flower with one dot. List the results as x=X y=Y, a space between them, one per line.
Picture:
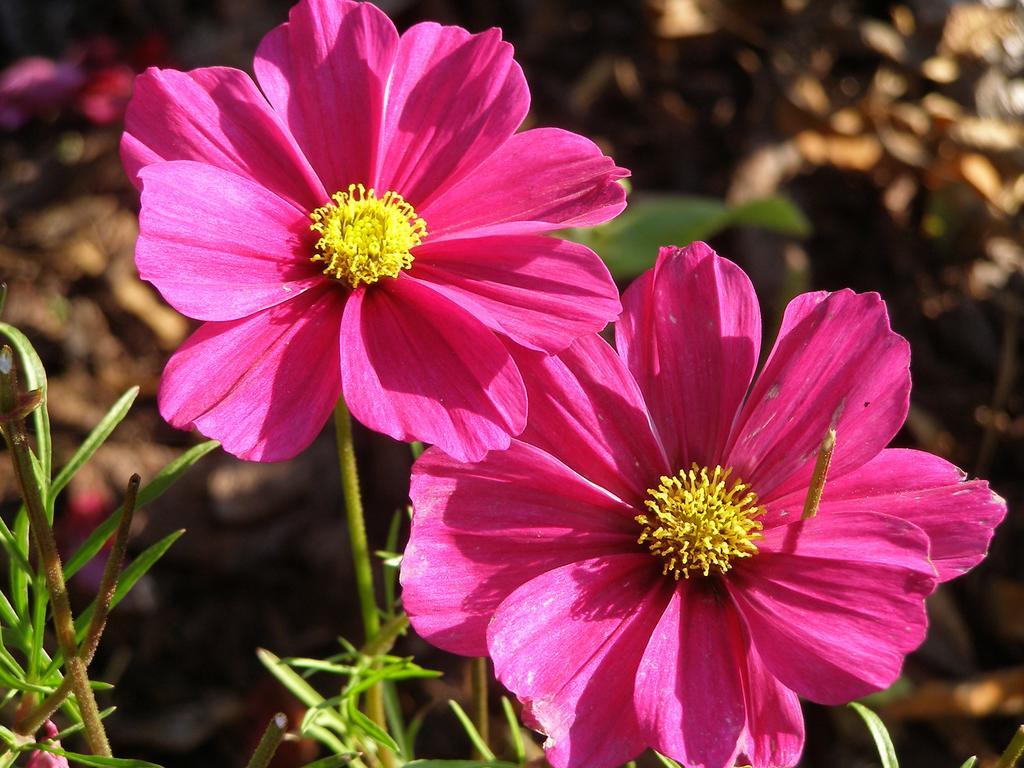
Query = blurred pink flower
x=35 y=85
x=428 y=263
x=636 y=564
x=40 y=759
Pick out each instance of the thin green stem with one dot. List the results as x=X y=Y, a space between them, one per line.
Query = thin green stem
x=49 y=558
x=356 y=521
x=480 y=673
x=108 y=585
x=360 y=556
x=1014 y=751
x=270 y=741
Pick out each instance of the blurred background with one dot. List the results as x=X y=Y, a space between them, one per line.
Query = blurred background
x=869 y=144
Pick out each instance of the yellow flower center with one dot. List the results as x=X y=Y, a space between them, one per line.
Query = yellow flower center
x=699 y=521
x=364 y=237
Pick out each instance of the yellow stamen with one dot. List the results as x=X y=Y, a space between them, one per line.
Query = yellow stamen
x=698 y=522
x=364 y=238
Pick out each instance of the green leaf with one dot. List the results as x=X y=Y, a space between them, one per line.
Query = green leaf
x=629 y=243
x=334 y=761
x=514 y=730
x=459 y=764
x=153 y=490
x=969 y=762
x=33 y=376
x=668 y=762
x=879 y=733
x=17 y=558
x=94 y=761
x=370 y=728
x=129 y=578
x=302 y=690
x=474 y=735
x=95 y=439
x=775 y=213
x=20 y=578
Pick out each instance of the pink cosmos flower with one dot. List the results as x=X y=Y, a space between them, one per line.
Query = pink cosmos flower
x=368 y=224
x=636 y=563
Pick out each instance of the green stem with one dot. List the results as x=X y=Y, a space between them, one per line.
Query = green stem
x=356 y=521
x=270 y=741
x=108 y=585
x=360 y=555
x=46 y=550
x=481 y=717
x=1014 y=751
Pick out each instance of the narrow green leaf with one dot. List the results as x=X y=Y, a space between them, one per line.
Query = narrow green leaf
x=474 y=735
x=668 y=762
x=883 y=743
x=153 y=490
x=514 y=730
x=334 y=761
x=302 y=690
x=320 y=665
x=129 y=578
x=40 y=601
x=327 y=738
x=20 y=578
x=390 y=566
x=370 y=728
x=14 y=553
x=969 y=762
x=95 y=439
x=33 y=376
x=396 y=721
x=94 y=761
x=458 y=764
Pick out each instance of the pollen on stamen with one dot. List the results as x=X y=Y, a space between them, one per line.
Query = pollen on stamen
x=699 y=522
x=364 y=238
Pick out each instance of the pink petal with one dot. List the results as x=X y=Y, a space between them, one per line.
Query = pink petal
x=215 y=116
x=839 y=365
x=418 y=367
x=958 y=515
x=540 y=292
x=537 y=181
x=774 y=734
x=218 y=246
x=567 y=644
x=691 y=335
x=834 y=604
x=453 y=99
x=689 y=691
x=326 y=72
x=479 y=531
x=586 y=410
x=263 y=385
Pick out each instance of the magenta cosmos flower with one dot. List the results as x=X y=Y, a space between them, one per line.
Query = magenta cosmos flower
x=636 y=563
x=368 y=224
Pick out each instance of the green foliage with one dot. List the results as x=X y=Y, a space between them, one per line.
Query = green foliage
x=458 y=764
x=629 y=243
x=338 y=722
x=26 y=668
x=886 y=752
x=474 y=735
x=668 y=762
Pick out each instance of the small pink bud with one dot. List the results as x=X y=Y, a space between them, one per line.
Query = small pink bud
x=40 y=759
